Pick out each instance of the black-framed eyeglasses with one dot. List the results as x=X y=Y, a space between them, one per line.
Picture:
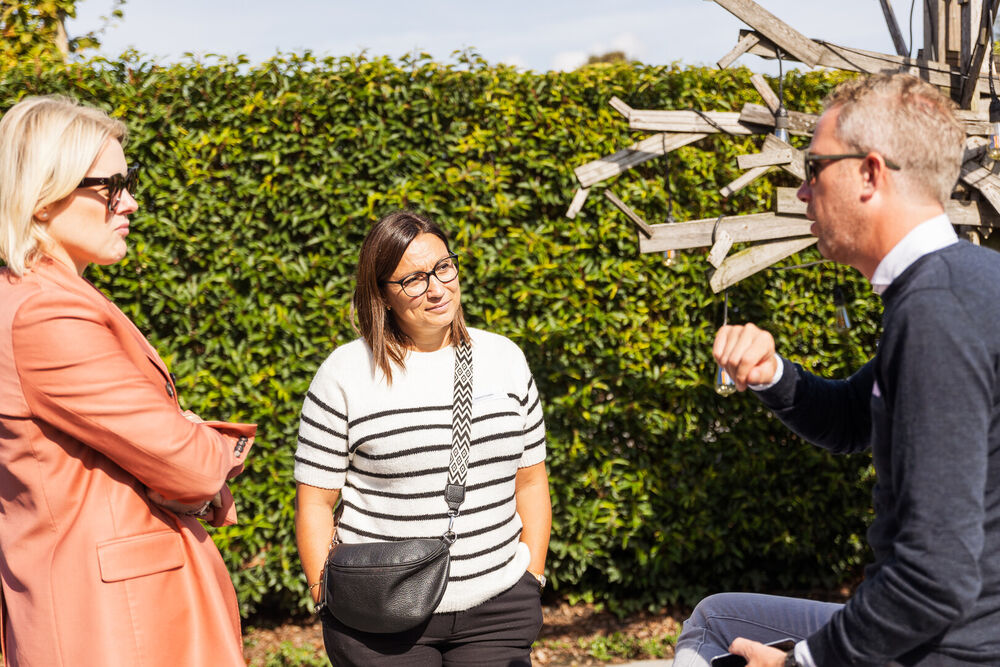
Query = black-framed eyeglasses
x=416 y=283
x=116 y=184
x=812 y=171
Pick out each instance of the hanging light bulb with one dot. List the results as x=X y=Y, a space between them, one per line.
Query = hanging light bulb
x=669 y=256
x=724 y=385
x=781 y=115
x=843 y=320
x=781 y=123
x=993 y=147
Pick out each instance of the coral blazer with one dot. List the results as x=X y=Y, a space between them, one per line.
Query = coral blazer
x=92 y=572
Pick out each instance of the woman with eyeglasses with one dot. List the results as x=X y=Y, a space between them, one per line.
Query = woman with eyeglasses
x=104 y=479
x=376 y=436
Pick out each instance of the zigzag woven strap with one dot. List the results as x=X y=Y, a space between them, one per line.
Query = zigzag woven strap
x=461 y=425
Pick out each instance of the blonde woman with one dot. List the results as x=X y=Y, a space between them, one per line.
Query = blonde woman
x=103 y=478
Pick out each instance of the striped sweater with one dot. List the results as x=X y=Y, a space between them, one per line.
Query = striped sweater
x=387 y=448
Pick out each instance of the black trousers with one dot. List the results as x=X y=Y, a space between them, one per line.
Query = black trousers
x=498 y=633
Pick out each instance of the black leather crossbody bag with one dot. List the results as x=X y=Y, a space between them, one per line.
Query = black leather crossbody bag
x=389 y=587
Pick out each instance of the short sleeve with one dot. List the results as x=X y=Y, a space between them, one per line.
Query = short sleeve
x=534 y=422
x=321 y=453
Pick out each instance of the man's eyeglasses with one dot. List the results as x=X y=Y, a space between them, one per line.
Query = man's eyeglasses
x=812 y=170
x=116 y=184
x=416 y=283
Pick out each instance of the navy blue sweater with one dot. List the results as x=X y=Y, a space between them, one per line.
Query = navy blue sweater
x=928 y=405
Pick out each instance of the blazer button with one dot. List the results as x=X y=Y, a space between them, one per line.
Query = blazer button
x=170 y=390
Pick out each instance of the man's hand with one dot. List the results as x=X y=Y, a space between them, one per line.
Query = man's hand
x=746 y=353
x=757 y=654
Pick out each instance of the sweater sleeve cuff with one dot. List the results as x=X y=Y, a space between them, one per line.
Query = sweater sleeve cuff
x=774 y=380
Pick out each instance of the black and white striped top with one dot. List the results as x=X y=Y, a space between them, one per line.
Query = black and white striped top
x=387 y=448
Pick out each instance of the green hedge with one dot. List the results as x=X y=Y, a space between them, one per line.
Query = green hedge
x=258 y=185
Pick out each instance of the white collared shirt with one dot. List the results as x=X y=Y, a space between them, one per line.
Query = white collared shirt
x=923 y=239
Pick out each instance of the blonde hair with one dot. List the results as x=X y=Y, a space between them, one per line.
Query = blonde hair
x=47 y=145
x=908 y=121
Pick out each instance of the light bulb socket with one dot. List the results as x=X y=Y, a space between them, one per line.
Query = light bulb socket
x=994 y=109
x=781 y=118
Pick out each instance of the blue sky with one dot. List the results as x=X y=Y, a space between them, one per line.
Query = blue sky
x=539 y=35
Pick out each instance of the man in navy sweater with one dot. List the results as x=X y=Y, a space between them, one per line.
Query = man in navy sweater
x=882 y=162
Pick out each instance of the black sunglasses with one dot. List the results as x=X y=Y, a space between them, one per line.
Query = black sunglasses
x=812 y=171
x=116 y=184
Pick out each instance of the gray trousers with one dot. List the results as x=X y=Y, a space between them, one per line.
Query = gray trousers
x=721 y=618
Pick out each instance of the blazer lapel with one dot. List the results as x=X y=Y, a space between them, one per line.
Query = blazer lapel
x=143 y=355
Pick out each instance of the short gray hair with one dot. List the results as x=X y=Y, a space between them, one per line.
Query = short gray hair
x=47 y=145
x=907 y=121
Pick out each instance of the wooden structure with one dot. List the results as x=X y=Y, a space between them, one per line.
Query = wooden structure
x=957 y=42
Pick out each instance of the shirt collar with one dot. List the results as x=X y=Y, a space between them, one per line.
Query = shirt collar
x=923 y=239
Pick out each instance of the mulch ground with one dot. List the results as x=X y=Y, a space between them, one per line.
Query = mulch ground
x=567 y=631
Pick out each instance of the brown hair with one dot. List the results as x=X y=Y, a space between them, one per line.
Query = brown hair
x=381 y=251
x=908 y=121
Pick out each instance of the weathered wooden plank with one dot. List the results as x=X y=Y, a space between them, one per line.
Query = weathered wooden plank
x=983 y=180
x=786 y=202
x=774 y=152
x=640 y=224
x=611 y=165
x=796 y=166
x=969 y=18
x=976 y=122
x=767 y=93
x=897 y=36
x=764 y=158
x=751 y=260
x=981 y=44
x=934 y=32
x=779 y=32
x=575 y=206
x=859 y=60
x=723 y=242
x=742 y=46
x=972 y=116
x=971 y=214
x=683 y=120
x=975 y=149
x=744 y=180
x=954 y=31
x=967 y=213
x=743 y=229
x=798 y=123
x=620 y=106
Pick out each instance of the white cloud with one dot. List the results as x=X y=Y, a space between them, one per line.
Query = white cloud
x=630 y=43
x=568 y=60
x=515 y=61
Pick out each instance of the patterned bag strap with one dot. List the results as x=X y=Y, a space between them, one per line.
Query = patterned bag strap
x=461 y=425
